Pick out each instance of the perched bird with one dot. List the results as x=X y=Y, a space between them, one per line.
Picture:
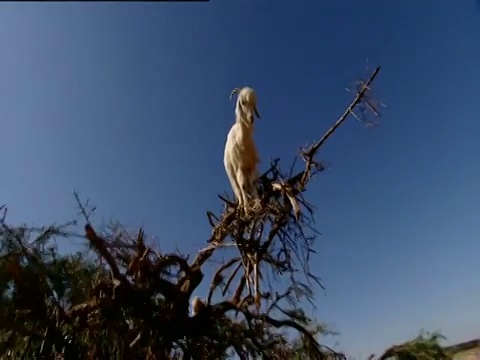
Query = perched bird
x=241 y=157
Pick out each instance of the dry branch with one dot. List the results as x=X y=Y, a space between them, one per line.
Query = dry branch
x=152 y=290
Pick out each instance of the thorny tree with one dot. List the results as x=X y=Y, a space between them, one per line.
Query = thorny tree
x=134 y=302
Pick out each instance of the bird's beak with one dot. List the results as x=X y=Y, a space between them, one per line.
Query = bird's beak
x=256 y=112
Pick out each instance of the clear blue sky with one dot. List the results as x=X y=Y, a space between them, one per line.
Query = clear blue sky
x=128 y=104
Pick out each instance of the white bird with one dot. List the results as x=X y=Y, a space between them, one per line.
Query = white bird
x=241 y=157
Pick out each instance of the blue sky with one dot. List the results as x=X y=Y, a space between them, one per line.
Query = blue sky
x=128 y=104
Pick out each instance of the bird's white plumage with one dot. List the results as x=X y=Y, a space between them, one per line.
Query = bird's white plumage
x=241 y=157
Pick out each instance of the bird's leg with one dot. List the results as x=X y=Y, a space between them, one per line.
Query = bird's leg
x=255 y=197
x=240 y=207
x=243 y=198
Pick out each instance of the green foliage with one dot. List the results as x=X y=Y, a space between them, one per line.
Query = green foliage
x=426 y=346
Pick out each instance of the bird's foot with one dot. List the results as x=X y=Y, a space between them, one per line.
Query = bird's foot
x=256 y=205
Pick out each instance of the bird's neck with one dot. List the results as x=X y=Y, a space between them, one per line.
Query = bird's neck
x=245 y=124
